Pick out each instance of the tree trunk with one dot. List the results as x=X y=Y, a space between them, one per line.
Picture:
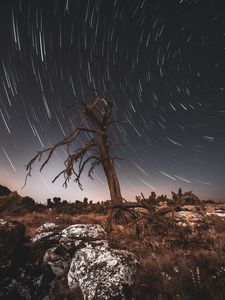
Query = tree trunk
x=109 y=169
x=113 y=182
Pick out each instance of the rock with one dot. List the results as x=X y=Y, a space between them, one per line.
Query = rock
x=23 y=274
x=192 y=219
x=47 y=233
x=94 y=262
x=32 y=282
x=50 y=235
x=219 y=213
x=197 y=219
x=187 y=218
x=15 y=290
x=84 y=231
x=37 y=270
x=71 y=239
x=45 y=239
x=58 y=259
x=13 y=255
x=47 y=227
x=103 y=273
x=75 y=236
x=42 y=278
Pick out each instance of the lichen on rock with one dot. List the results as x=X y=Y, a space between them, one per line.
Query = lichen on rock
x=84 y=231
x=103 y=273
x=46 y=227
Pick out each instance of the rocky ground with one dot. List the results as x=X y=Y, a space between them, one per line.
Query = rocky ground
x=78 y=256
x=51 y=255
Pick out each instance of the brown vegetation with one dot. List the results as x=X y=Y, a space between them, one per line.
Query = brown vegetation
x=177 y=262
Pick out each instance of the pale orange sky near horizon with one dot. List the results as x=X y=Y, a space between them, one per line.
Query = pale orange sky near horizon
x=91 y=190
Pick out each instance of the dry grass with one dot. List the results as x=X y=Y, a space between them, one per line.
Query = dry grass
x=36 y=219
x=91 y=218
x=179 y=275
x=176 y=263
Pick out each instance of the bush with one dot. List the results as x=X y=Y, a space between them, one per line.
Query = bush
x=16 y=205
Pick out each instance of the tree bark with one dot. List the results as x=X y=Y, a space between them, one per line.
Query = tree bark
x=113 y=182
x=109 y=168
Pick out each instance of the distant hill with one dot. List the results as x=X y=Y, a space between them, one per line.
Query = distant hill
x=4 y=191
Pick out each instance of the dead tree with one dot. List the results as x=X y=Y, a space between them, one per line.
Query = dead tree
x=94 y=121
x=145 y=209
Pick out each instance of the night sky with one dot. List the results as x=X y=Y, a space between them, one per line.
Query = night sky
x=161 y=62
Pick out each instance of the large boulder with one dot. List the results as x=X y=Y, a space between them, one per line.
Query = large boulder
x=81 y=254
x=103 y=273
x=75 y=236
x=84 y=231
x=65 y=243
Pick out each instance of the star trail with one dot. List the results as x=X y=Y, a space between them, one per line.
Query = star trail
x=162 y=63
